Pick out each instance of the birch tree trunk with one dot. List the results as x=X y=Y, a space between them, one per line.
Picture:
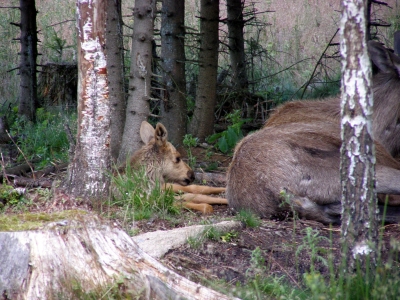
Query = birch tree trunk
x=173 y=105
x=138 y=107
x=359 y=218
x=87 y=175
x=115 y=69
x=202 y=124
x=28 y=102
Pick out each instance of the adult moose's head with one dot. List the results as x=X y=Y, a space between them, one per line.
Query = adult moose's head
x=296 y=156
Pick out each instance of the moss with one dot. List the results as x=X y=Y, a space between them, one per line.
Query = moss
x=32 y=221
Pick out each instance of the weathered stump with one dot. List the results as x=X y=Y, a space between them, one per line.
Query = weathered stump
x=39 y=264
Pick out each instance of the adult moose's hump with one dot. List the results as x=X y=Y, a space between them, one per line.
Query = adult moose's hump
x=297 y=153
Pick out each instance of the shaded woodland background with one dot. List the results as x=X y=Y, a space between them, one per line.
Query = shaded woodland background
x=286 y=46
x=283 y=40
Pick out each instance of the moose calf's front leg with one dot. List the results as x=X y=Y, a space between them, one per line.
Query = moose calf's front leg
x=195 y=189
x=202 y=207
x=197 y=198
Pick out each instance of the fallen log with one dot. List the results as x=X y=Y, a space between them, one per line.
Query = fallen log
x=30 y=182
x=38 y=264
x=50 y=169
x=18 y=170
x=26 y=169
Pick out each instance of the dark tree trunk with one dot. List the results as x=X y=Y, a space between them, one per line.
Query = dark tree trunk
x=368 y=19
x=396 y=42
x=236 y=43
x=115 y=69
x=173 y=106
x=138 y=107
x=28 y=101
x=202 y=124
x=359 y=218
x=87 y=172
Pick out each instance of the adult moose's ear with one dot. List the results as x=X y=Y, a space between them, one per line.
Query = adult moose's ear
x=146 y=132
x=383 y=59
x=160 y=135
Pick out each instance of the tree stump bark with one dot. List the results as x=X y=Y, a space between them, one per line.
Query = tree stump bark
x=46 y=262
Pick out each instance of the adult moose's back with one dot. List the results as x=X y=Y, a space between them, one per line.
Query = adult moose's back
x=297 y=153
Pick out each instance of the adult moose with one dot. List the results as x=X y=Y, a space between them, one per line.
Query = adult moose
x=296 y=156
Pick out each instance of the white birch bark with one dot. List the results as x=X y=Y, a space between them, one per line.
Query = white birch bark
x=87 y=171
x=357 y=153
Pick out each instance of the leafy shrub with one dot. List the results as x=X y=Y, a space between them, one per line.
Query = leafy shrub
x=225 y=141
x=9 y=196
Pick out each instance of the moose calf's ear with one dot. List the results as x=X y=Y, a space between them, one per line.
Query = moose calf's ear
x=160 y=135
x=146 y=132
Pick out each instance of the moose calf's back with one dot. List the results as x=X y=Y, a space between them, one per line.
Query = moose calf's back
x=297 y=153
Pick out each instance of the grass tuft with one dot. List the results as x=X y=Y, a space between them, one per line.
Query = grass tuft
x=140 y=199
x=248 y=218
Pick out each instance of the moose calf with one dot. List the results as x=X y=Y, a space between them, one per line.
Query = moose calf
x=163 y=163
x=296 y=155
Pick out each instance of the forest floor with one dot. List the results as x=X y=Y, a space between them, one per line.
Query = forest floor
x=282 y=249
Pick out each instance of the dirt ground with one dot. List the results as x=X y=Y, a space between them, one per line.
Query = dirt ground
x=285 y=248
x=280 y=248
x=285 y=245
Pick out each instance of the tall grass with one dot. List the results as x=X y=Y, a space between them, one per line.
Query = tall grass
x=44 y=141
x=137 y=198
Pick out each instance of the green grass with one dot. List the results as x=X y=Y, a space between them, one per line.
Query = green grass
x=72 y=288
x=249 y=218
x=212 y=234
x=44 y=141
x=140 y=199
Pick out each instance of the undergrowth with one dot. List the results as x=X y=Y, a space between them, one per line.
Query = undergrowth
x=226 y=141
x=44 y=141
x=383 y=284
x=137 y=198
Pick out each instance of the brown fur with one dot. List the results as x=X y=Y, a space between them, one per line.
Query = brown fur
x=161 y=160
x=163 y=163
x=298 y=152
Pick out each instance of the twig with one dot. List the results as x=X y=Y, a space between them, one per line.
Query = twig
x=4 y=169
x=317 y=64
x=284 y=270
x=19 y=149
x=71 y=20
